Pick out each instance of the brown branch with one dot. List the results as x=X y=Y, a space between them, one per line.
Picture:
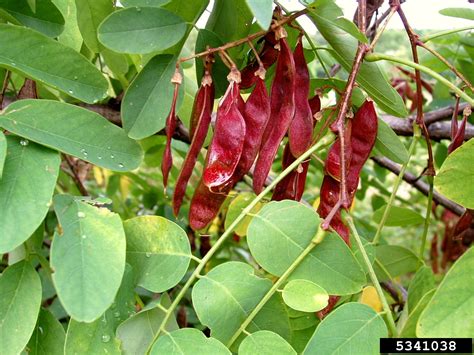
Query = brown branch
x=420 y=185
x=77 y=180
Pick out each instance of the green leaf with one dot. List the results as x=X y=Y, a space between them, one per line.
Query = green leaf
x=139 y=3
x=349 y=27
x=305 y=296
x=188 y=341
x=263 y=11
x=282 y=230
x=86 y=285
x=99 y=336
x=71 y=36
x=26 y=188
x=225 y=297
x=409 y=328
x=449 y=313
x=90 y=13
x=235 y=208
x=422 y=283
x=265 y=342
x=393 y=260
x=3 y=152
x=148 y=99
x=389 y=144
x=370 y=77
x=459 y=12
x=137 y=332
x=369 y=249
x=58 y=66
x=20 y=298
x=353 y=328
x=398 y=216
x=48 y=337
x=158 y=251
x=141 y=30
x=46 y=18
x=455 y=171
x=75 y=131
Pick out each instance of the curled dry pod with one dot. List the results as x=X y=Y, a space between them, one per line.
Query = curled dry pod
x=205 y=206
x=202 y=110
x=268 y=55
x=301 y=127
x=228 y=140
x=171 y=121
x=282 y=109
x=363 y=136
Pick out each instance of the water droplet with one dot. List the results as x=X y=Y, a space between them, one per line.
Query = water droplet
x=13 y=63
x=83 y=236
x=139 y=9
x=14 y=122
x=117 y=314
x=121 y=165
x=109 y=147
x=48 y=204
x=75 y=77
x=105 y=338
x=24 y=142
x=147 y=254
x=84 y=152
x=40 y=330
x=99 y=157
x=112 y=156
x=70 y=91
x=81 y=214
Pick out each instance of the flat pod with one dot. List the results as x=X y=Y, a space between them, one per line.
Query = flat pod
x=228 y=141
x=282 y=104
x=202 y=111
x=171 y=121
x=301 y=127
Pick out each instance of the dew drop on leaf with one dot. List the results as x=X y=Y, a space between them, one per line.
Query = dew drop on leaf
x=121 y=165
x=147 y=254
x=24 y=142
x=105 y=338
x=81 y=214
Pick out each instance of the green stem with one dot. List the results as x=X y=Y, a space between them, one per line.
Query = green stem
x=398 y=181
x=319 y=237
x=427 y=218
x=374 y=57
x=228 y=233
x=388 y=313
x=428 y=38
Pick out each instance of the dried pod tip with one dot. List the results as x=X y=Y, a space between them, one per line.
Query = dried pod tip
x=206 y=79
x=350 y=114
x=260 y=72
x=467 y=111
x=318 y=115
x=234 y=75
x=177 y=77
x=280 y=33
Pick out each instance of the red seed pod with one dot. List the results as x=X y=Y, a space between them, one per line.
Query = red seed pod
x=256 y=112
x=268 y=55
x=315 y=105
x=205 y=206
x=459 y=132
x=363 y=136
x=202 y=109
x=226 y=147
x=463 y=223
x=333 y=161
x=171 y=121
x=331 y=304
x=301 y=127
x=282 y=103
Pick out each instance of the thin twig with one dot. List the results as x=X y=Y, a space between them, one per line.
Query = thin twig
x=4 y=87
x=77 y=180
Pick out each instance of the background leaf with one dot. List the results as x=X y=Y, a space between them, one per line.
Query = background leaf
x=263 y=11
x=389 y=144
x=358 y=330
x=148 y=99
x=398 y=216
x=454 y=171
x=265 y=342
x=3 y=152
x=48 y=336
x=421 y=284
x=393 y=260
x=305 y=296
x=235 y=208
x=45 y=18
x=141 y=30
x=188 y=341
x=26 y=188
x=226 y=295
x=460 y=12
x=58 y=66
x=20 y=298
x=86 y=285
x=282 y=230
x=75 y=131
x=130 y=3
x=158 y=251
x=90 y=13
x=449 y=313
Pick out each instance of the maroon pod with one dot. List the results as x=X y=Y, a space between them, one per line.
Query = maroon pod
x=228 y=140
x=202 y=110
x=282 y=109
x=301 y=127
